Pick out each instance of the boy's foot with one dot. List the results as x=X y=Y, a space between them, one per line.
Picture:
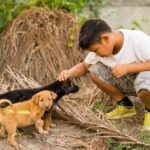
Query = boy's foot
x=121 y=112
x=146 y=126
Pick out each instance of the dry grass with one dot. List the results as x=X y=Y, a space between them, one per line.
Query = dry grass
x=41 y=43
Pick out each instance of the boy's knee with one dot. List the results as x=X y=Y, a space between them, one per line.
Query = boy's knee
x=142 y=82
x=92 y=76
x=96 y=79
x=142 y=93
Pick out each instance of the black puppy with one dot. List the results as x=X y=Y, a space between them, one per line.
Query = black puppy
x=61 y=88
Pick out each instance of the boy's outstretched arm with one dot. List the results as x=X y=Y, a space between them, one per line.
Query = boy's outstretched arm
x=78 y=70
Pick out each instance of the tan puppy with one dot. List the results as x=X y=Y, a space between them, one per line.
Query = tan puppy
x=24 y=114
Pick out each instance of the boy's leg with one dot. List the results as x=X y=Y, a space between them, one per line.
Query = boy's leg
x=142 y=85
x=112 y=91
x=101 y=75
x=144 y=95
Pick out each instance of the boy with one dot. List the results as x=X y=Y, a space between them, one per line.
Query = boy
x=118 y=63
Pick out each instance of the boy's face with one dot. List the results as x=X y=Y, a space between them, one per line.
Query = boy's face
x=103 y=48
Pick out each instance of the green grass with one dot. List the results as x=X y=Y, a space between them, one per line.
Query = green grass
x=113 y=146
x=99 y=104
x=144 y=137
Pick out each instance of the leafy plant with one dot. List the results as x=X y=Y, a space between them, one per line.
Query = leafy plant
x=99 y=104
x=109 y=142
x=113 y=146
x=144 y=137
x=9 y=9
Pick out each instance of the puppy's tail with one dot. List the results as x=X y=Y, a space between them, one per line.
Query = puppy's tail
x=4 y=103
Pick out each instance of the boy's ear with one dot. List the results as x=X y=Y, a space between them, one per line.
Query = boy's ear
x=105 y=38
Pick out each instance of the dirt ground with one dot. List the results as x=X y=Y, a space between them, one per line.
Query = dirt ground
x=64 y=136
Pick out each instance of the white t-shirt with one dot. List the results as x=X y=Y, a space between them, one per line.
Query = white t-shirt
x=135 y=49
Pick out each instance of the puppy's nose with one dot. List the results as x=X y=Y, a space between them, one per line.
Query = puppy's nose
x=47 y=107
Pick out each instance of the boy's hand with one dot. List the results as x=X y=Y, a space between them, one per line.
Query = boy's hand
x=64 y=75
x=119 y=70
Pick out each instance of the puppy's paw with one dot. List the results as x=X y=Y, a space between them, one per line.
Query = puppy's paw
x=43 y=132
x=48 y=129
x=16 y=145
x=20 y=147
x=53 y=125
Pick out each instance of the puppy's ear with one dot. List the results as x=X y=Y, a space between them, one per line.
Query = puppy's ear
x=36 y=98
x=53 y=95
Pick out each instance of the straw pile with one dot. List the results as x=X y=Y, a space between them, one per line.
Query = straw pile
x=41 y=43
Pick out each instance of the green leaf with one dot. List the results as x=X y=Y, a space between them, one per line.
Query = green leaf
x=3 y=20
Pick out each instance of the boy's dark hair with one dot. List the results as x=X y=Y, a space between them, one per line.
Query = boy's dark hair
x=91 y=31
